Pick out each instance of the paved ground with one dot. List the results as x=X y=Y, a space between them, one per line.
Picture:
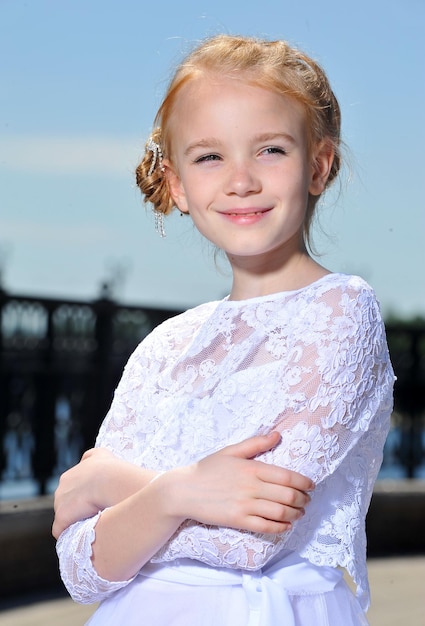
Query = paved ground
x=398 y=599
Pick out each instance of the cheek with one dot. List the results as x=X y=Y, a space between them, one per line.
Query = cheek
x=187 y=201
x=197 y=191
x=293 y=185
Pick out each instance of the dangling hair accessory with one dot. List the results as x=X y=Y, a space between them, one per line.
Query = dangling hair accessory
x=155 y=148
x=157 y=157
x=159 y=223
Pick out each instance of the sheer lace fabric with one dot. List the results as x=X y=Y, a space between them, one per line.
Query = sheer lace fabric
x=312 y=364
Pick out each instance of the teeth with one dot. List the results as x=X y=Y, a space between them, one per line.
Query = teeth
x=245 y=214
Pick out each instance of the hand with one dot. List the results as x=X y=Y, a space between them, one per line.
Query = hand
x=98 y=481
x=230 y=488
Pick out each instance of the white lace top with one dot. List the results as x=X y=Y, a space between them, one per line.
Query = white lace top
x=311 y=363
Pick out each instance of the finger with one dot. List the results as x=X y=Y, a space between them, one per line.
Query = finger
x=249 y=448
x=292 y=499
x=87 y=454
x=55 y=530
x=282 y=476
x=277 y=512
x=259 y=524
x=57 y=527
x=285 y=496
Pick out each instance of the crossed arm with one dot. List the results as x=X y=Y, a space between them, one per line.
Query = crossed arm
x=228 y=488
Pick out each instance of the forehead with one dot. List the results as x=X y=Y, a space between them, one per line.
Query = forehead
x=218 y=101
x=213 y=84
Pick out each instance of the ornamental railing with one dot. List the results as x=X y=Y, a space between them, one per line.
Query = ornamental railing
x=60 y=361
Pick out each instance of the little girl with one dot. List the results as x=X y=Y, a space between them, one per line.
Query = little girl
x=234 y=470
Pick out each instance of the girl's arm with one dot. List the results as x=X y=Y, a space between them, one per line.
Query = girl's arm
x=98 y=481
x=228 y=488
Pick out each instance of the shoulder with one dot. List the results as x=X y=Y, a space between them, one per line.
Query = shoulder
x=336 y=308
x=355 y=322
x=175 y=331
x=188 y=320
x=347 y=294
x=339 y=283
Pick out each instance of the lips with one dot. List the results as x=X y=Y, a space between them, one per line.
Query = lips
x=245 y=212
x=245 y=216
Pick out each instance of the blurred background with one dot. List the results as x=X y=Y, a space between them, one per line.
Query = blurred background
x=84 y=276
x=80 y=85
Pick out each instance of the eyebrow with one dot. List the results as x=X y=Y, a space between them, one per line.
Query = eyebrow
x=202 y=143
x=264 y=137
x=212 y=143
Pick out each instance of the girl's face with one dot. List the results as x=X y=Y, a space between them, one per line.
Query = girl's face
x=241 y=167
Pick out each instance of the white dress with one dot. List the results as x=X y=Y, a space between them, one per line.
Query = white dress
x=312 y=364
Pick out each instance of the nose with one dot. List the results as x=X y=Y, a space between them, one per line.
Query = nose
x=242 y=180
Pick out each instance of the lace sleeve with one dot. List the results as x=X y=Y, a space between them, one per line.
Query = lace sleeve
x=74 y=549
x=126 y=431
x=342 y=386
x=118 y=433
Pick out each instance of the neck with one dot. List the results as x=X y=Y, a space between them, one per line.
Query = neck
x=259 y=277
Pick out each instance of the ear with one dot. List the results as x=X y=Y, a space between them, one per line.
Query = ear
x=322 y=159
x=175 y=186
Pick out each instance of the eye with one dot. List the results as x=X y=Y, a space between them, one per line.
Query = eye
x=273 y=150
x=206 y=158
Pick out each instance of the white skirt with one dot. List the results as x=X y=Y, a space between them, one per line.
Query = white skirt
x=287 y=592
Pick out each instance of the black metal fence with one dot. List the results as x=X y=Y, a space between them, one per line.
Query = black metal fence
x=405 y=448
x=61 y=360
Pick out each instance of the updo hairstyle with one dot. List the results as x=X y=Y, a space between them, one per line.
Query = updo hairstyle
x=273 y=65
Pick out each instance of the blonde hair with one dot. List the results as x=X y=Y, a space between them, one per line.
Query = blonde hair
x=273 y=65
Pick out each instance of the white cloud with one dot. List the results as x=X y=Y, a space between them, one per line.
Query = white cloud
x=70 y=154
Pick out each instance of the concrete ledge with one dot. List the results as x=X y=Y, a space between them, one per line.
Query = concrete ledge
x=395 y=526
x=27 y=548
x=396 y=519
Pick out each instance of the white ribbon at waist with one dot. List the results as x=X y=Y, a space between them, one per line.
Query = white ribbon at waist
x=267 y=590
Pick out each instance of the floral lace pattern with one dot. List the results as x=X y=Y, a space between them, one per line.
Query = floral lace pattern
x=311 y=363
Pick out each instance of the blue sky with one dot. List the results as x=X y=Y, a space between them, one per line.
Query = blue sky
x=80 y=81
